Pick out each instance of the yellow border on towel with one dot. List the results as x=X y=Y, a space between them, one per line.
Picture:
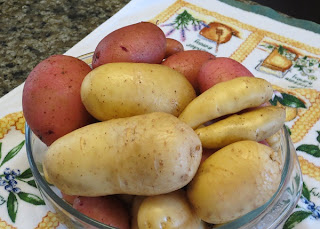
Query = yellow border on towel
x=249 y=44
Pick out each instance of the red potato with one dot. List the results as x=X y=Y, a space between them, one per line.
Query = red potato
x=107 y=209
x=68 y=198
x=218 y=70
x=143 y=42
x=189 y=64
x=51 y=99
x=173 y=46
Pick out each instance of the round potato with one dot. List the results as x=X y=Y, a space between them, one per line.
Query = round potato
x=120 y=90
x=143 y=42
x=170 y=211
x=51 y=99
x=147 y=154
x=246 y=167
x=219 y=70
x=173 y=46
x=189 y=63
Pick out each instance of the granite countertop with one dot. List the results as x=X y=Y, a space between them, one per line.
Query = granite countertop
x=32 y=30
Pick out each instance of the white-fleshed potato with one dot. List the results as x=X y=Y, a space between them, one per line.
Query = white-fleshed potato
x=119 y=90
x=147 y=154
x=234 y=181
x=255 y=125
x=170 y=211
x=226 y=98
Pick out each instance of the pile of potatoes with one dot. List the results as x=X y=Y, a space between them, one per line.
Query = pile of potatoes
x=153 y=136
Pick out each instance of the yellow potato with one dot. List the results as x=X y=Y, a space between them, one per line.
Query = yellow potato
x=119 y=90
x=291 y=112
x=274 y=141
x=233 y=181
x=255 y=125
x=146 y=154
x=226 y=98
x=170 y=211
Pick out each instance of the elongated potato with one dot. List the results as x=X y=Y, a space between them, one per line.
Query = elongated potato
x=119 y=90
x=233 y=181
x=141 y=155
x=226 y=98
x=170 y=211
x=255 y=125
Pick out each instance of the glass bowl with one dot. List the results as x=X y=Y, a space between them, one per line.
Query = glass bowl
x=271 y=215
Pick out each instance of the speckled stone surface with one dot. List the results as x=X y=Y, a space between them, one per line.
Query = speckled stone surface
x=32 y=30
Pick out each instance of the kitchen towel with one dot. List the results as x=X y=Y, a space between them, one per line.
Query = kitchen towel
x=284 y=51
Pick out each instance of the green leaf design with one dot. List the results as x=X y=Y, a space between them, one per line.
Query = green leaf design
x=32 y=183
x=2 y=200
x=183 y=19
x=318 y=138
x=305 y=57
x=295 y=218
x=291 y=101
x=310 y=149
x=12 y=153
x=31 y=198
x=281 y=50
x=12 y=206
x=273 y=101
x=300 y=67
x=305 y=191
x=26 y=174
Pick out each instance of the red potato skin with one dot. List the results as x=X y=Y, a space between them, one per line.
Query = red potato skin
x=68 y=198
x=143 y=42
x=189 y=64
x=173 y=46
x=51 y=99
x=108 y=210
x=219 y=70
